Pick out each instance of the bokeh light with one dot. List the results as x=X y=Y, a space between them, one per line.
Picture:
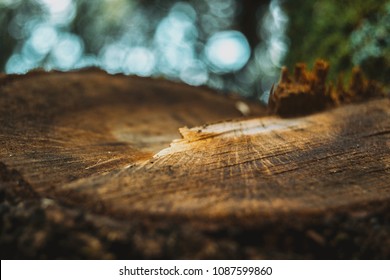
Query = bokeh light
x=139 y=61
x=229 y=45
x=68 y=51
x=196 y=42
x=227 y=51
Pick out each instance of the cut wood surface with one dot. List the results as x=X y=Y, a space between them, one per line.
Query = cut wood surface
x=165 y=170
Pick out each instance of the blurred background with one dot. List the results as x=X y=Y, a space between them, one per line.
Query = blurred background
x=229 y=45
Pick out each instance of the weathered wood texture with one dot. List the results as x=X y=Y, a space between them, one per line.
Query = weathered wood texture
x=90 y=168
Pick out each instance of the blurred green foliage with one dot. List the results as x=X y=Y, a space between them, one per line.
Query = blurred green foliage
x=346 y=33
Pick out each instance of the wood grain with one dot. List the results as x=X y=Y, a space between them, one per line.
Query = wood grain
x=258 y=169
x=58 y=127
x=177 y=172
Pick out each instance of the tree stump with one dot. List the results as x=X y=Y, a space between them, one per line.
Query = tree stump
x=100 y=166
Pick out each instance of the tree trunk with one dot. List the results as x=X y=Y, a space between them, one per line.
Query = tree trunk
x=100 y=166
